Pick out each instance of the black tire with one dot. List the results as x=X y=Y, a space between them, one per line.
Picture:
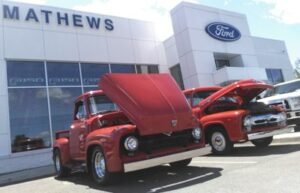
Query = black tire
x=180 y=164
x=264 y=142
x=60 y=170
x=99 y=167
x=219 y=141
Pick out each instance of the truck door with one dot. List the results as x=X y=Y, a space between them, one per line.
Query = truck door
x=78 y=132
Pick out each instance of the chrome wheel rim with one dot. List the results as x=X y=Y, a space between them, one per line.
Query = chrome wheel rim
x=218 y=141
x=99 y=165
x=57 y=163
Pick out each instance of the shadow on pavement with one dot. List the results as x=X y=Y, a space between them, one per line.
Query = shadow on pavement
x=252 y=151
x=157 y=179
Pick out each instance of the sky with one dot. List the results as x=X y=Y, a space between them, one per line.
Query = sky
x=275 y=19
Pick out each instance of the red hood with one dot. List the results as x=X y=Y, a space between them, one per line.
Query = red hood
x=246 y=89
x=153 y=102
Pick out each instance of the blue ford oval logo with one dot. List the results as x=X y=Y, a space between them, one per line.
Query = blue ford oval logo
x=223 y=31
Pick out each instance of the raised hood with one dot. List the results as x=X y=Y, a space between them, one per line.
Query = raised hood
x=246 y=89
x=153 y=102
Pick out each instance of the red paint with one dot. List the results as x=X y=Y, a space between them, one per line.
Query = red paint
x=229 y=115
x=148 y=103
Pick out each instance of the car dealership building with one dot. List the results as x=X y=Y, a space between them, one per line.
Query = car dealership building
x=48 y=56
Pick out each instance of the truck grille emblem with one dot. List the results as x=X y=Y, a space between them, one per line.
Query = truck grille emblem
x=174 y=123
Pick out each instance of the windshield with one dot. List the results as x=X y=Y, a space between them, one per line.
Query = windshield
x=281 y=89
x=101 y=104
x=199 y=96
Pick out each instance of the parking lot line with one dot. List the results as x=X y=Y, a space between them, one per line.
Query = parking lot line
x=225 y=162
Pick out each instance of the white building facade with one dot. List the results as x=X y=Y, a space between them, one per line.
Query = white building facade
x=49 y=56
x=205 y=57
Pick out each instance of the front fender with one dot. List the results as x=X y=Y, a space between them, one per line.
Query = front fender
x=230 y=120
x=62 y=144
x=109 y=140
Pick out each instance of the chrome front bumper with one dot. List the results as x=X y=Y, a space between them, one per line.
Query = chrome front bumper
x=265 y=134
x=129 y=167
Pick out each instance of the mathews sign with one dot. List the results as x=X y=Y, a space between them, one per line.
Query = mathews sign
x=223 y=31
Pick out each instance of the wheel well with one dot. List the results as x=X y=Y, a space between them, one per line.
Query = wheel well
x=209 y=129
x=89 y=156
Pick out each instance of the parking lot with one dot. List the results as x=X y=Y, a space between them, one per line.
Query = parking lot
x=247 y=169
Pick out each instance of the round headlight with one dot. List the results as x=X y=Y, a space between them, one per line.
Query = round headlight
x=247 y=123
x=282 y=116
x=131 y=143
x=196 y=133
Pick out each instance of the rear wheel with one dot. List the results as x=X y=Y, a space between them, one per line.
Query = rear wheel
x=180 y=164
x=60 y=170
x=99 y=169
x=264 y=142
x=220 y=142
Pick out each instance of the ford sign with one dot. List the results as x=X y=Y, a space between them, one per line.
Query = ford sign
x=223 y=31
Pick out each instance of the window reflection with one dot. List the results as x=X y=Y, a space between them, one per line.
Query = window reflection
x=122 y=68
x=63 y=74
x=62 y=104
x=91 y=73
x=25 y=73
x=29 y=112
x=148 y=69
x=29 y=119
x=274 y=75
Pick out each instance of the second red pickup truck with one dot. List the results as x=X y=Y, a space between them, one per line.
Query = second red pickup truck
x=228 y=115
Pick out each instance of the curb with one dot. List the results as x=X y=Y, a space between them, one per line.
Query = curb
x=26 y=175
x=286 y=138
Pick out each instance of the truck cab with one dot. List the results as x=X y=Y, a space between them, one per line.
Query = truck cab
x=135 y=122
x=231 y=115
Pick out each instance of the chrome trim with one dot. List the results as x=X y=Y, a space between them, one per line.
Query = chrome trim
x=265 y=134
x=265 y=119
x=129 y=167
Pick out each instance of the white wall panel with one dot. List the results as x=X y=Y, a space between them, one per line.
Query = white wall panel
x=120 y=50
x=145 y=52
x=24 y=43
x=121 y=28
x=142 y=30
x=61 y=46
x=92 y=48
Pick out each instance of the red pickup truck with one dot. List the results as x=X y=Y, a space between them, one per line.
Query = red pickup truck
x=136 y=122
x=228 y=115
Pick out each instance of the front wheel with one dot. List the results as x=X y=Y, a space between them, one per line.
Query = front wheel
x=180 y=164
x=60 y=170
x=98 y=165
x=220 y=142
x=264 y=142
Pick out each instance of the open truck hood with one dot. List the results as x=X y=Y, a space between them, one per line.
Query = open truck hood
x=246 y=89
x=153 y=102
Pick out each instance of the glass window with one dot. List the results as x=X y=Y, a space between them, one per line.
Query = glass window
x=284 y=88
x=29 y=119
x=122 y=68
x=199 y=96
x=221 y=63
x=62 y=104
x=149 y=69
x=91 y=73
x=63 y=73
x=90 y=88
x=176 y=73
x=25 y=73
x=80 y=112
x=101 y=104
x=274 y=75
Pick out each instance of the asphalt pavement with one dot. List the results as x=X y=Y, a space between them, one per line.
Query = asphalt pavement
x=46 y=171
